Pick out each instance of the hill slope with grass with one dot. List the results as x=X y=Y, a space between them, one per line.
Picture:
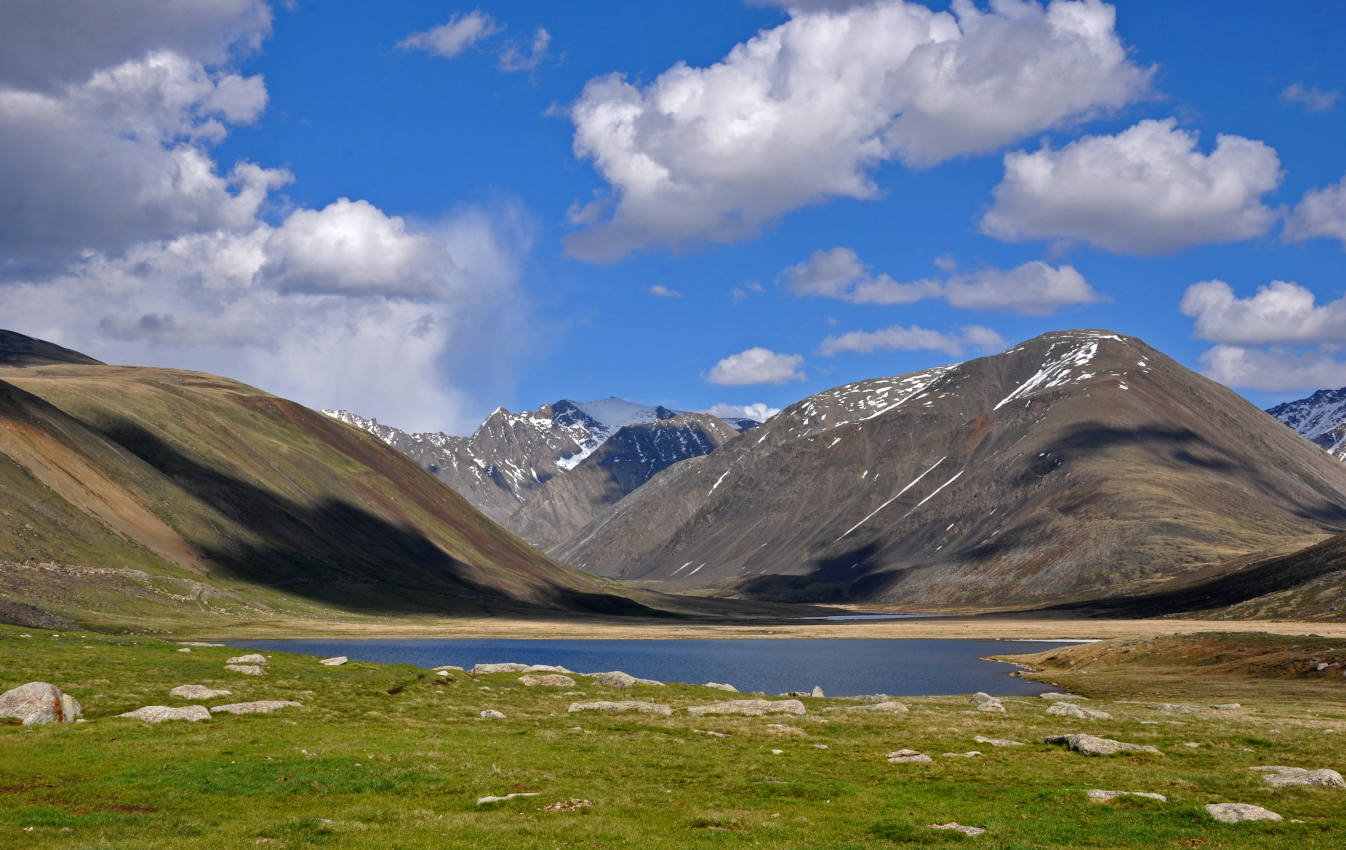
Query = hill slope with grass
x=1073 y=466
x=135 y=496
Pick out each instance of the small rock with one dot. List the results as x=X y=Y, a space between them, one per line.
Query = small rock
x=622 y=706
x=1059 y=695
x=721 y=686
x=198 y=692
x=750 y=707
x=1069 y=709
x=1191 y=745
x=782 y=729
x=891 y=705
x=336 y=661
x=261 y=706
x=817 y=691
x=905 y=756
x=246 y=669
x=546 y=680
x=1092 y=745
x=1226 y=706
x=39 y=702
x=967 y=755
x=1279 y=776
x=986 y=702
x=185 y=649
x=485 y=801
x=548 y=668
x=1099 y=796
x=162 y=713
x=1173 y=706
x=777 y=752
x=492 y=714
x=621 y=681
x=574 y=804
x=711 y=733
x=501 y=667
x=997 y=742
x=1235 y=812
x=247 y=659
x=448 y=668
x=970 y=831
x=820 y=746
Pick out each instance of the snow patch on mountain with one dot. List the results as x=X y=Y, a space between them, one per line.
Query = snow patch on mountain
x=1320 y=418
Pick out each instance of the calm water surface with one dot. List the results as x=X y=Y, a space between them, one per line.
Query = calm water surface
x=843 y=667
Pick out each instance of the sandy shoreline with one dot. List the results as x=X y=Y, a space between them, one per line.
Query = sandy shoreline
x=982 y=628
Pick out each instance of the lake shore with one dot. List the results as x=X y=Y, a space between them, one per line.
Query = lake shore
x=988 y=627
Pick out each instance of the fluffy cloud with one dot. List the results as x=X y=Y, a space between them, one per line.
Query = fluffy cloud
x=1280 y=312
x=1274 y=370
x=451 y=38
x=661 y=291
x=1034 y=288
x=1321 y=213
x=807 y=110
x=1312 y=99
x=1147 y=190
x=898 y=338
x=515 y=58
x=758 y=411
x=756 y=366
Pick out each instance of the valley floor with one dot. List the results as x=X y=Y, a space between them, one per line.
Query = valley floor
x=395 y=756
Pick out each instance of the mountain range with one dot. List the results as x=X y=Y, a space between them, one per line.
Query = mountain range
x=546 y=473
x=1077 y=465
x=1320 y=418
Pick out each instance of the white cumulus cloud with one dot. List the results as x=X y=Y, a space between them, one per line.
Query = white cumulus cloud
x=914 y=338
x=756 y=366
x=1147 y=190
x=1275 y=369
x=1312 y=99
x=1280 y=312
x=1321 y=213
x=1034 y=288
x=454 y=36
x=758 y=411
x=806 y=111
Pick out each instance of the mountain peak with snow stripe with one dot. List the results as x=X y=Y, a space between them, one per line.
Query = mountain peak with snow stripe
x=1319 y=418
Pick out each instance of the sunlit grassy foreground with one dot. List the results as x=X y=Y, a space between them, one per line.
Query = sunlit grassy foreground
x=394 y=756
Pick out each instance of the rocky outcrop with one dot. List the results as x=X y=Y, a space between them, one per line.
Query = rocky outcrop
x=246 y=669
x=546 y=680
x=1237 y=812
x=263 y=706
x=164 y=713
x=1278 y=776
x=1092 y=745
x=621 y=706
x=1069 y=709
x=750 y=707
x=37 y=703
x=621 y=681
x=198 y=692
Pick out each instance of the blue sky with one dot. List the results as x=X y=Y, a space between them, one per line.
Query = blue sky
x=447 y=207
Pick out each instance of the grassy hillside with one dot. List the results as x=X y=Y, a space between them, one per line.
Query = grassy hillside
x=148 y=495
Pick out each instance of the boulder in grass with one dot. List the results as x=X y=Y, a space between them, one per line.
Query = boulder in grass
x=1279 y=776
x=750 y=707
x=997 y=742
x=1236 y=812
x=499 y=667
x=892 y=706
x=969 y=831
x=1059 y=695
x=336 y=661
x=721 y=686
x=621 y=706
x=492 y=714
x=246 y=669
x=1098 y=795
x=987 y=703
x=905 y=756
x=1069 y=709
x=39 y=702
x=1092 y=745
x=254 y=658
x=262 y=706
x=163 y=713
x=548 y=668
x=546 y=680
x=621 y=681
x=1226 y=706
x=1177 y=708
x=198 y=692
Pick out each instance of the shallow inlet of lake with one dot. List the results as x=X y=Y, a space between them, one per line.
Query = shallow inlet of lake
x=841 y=666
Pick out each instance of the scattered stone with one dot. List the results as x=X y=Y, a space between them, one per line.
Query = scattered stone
x=574 y=804
x=448 y=668
x=246 y=669
x=1235 y=812
x=161 y=713
x=986 y=702
x=442 y=673
x=198 y=692
x=721 y=686
x=261 y=706
x=185 y=649
x=906 y=756
x=39 y=702
x=967 y=755
x=997 y=742
x=485 y=801
x=1092 y=745
x=1059 y=695
x=777 y=752
x=248 y=659
x=817 y=691
x=1099 y=796
x=546 y=680
x=750 y=707
x=1191 y=745
x=1069 y=709
x=548 y=668
x=969 y=831
x=820 y=746
x=1173 y=706
x=891 y=705
x=621 y=681
x=1279 y=776
x=492 y=714
x=334 y=662
x=711 y=733
x=622 y=706
x=1227 y=706
x=782 y=729
x=502 y=667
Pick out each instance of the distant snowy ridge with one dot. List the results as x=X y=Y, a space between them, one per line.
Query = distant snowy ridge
x=1320 y=418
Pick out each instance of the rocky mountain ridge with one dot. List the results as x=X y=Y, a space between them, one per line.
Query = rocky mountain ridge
x=1320 y=418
